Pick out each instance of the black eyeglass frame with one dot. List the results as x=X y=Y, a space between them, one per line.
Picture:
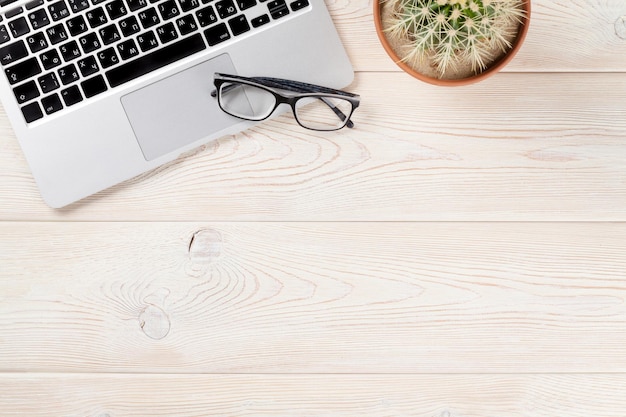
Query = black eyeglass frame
x=300 y=91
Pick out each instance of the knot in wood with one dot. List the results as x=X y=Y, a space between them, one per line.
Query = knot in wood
x=154 y=322
x=205 y=247
x=620 y=27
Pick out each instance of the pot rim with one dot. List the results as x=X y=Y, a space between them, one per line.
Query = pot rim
x=492 y=69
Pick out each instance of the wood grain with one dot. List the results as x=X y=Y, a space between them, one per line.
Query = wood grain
x=313 y=297
x=109 y=310
x=551 y=150
x=313 y=395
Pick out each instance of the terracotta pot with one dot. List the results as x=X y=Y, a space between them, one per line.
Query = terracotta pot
x=492 y=69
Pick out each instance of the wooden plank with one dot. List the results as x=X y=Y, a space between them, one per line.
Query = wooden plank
x=518 y=147
x=313 y=395
x=565 y=35
x=313 y=297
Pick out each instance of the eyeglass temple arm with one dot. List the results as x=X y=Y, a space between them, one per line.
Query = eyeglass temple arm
x=302 y=87
x=294 y=86
x=338 y=112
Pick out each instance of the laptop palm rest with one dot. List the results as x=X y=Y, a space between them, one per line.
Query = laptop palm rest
x=178 y=110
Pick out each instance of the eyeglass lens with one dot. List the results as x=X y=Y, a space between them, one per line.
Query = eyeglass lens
x=246 y=101
x=254 y=103
x=323 y=113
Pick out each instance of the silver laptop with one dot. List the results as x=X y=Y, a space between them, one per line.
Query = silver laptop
x=99 y=91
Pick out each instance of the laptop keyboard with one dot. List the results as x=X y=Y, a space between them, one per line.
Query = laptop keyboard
x=58 y=53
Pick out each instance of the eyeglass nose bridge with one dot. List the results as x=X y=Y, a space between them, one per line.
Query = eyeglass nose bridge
x=286 y=100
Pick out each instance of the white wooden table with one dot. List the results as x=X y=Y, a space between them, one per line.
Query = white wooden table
x=461 y=253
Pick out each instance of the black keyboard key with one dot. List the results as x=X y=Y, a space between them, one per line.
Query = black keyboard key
x=187 y=5
x=94 y=2
x=87 y=66
x=109 y=34
x=216 y=34
x=167 y=32
x=68 y=74
x=5 y=3
x=129 y=26
x=13 y=12
x=298 y=4
x=128 y=49
x=39 y=18
x=78 y=5
x=76 y=25
x=186 y=24
x=56 y=33
x=278 y=8
x=35 y=3
x=89 y=42
x=26 y=92
x=19 y=27
x=206 y=16
x=96 y=17
x=4 y=34
x=58 y=10
x=94 y=86
x=71 y=95
x=155 y=60
x=225 y=8
x=50 y=59
x=116 y=9
x=37 y=42
x=245 y=4
x=108 y=57
x=69 y=51
x=168 y=9
x=51 y=104
x=136 y=4
x=12 y=52
x=239 y=25
x=149 y=18
x=260 y=20
x=23 y=70
x=32 y=112
x=48 y=82
x=147 y=41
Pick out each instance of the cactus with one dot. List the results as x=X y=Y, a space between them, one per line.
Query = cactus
x=455 y=32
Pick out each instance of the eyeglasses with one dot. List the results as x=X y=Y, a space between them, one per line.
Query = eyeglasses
x=255 y=98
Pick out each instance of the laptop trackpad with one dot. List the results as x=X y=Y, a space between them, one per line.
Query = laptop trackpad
x=178 y=110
